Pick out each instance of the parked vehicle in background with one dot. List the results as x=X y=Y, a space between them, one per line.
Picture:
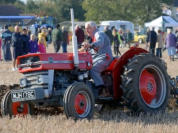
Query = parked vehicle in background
x=118 y=24
x=45 y=21
x=139 y=37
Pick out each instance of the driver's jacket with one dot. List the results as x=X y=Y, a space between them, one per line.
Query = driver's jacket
x=102 y=56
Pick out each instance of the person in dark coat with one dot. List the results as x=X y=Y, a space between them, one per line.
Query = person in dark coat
x=6 y=43
x=25 y=42
x=56 y=38
x=64 y=39
x=116 y=42
x=147 y=37
x=108 y=32
x=80 y=35
x=16 y=46
x=152 y=41
x=129 y=37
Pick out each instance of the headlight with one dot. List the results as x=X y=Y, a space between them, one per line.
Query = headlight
x=23 y=82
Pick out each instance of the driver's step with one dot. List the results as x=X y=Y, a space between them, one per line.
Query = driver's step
x=104 y=99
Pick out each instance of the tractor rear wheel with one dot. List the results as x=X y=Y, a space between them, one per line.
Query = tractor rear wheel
x=145 y=84
x=78 y=101
x=15 y=108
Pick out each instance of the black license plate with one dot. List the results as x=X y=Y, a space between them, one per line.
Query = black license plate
x=23 y=95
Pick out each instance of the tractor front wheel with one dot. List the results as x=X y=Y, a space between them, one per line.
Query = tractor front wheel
x=145 y=84
x=15 y=108
x=78 y=101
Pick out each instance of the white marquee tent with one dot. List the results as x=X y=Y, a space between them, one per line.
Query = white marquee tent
x=162 y=22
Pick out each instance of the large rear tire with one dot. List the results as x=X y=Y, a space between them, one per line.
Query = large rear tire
x=78 y=101
x=15 y=108
x=145 y=84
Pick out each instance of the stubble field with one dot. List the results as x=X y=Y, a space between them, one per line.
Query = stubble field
x=111 y=120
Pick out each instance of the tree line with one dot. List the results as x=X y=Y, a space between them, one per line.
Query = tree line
x=137 y=11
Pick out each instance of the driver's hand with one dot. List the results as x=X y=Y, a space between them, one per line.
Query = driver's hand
x=86 y=45
x=82 y=49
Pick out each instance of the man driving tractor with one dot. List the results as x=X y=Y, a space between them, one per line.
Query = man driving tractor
x=102 y=55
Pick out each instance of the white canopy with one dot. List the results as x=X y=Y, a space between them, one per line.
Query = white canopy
x=162 y=22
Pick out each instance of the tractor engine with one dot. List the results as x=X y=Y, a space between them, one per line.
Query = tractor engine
x=62 y=80
x=50 y=74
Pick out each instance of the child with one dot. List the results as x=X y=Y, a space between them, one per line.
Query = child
x=41 y=45
x=43 y=35
x=33 y=44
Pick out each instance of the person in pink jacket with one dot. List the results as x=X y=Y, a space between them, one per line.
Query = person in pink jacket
x=41 y=46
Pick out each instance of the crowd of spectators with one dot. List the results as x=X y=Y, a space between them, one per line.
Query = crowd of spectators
x=155 y=41
x=119 y=38
x=22 y=42
x=162 y=40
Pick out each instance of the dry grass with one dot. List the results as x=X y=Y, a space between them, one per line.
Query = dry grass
x=106 y=123
x=111 y=120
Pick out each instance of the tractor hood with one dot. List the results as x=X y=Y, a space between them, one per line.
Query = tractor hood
x=62 y=61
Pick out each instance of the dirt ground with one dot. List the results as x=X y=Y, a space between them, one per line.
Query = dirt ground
x=111 y=120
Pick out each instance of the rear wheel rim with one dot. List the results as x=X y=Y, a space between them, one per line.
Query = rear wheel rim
x=152 y=86
x=19 y=108
x=82 y=104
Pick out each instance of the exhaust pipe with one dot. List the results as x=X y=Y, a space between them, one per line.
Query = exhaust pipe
x=74 y=41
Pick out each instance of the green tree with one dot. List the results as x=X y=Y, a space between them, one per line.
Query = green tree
x=20 y=5
x=31 y=6
x=60 y=9
x=144 y=10
x=138 y=11
x=63 y=9
x=169 y=2
x=99 y=9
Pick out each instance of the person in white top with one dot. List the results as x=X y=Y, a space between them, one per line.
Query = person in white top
x=159 y=44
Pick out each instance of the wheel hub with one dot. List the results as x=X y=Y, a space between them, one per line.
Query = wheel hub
x=80 y=104
x=20 y=108
x=148 y=86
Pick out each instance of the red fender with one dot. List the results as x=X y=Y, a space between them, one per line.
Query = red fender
x=117 y=68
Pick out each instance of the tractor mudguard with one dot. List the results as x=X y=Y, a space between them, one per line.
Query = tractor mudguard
x=117 y=68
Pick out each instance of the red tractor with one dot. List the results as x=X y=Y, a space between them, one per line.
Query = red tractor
x=63 y=80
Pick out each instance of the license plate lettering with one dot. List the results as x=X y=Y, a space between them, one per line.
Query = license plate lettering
x=23 y=95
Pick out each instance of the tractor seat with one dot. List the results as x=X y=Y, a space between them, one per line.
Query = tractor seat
x=111 y=65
